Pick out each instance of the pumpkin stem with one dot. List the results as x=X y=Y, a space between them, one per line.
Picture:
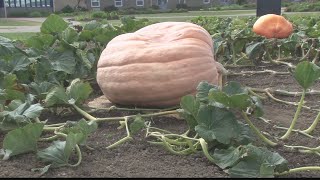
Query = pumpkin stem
x=257 y=131
x=313 y=125
x=295 y=170
x=287 y=134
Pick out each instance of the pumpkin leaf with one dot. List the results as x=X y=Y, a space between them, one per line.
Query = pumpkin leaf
x=226 y=158
x=62 y=61
x=258 y=162
x=254 y=49
x=257 y=106
x=137 y=125
x=218 y=124
x=306 y=73
x=78 y=91
x=41 y=41
x=241 y=101
x=82 y=127
x=59 y=152
x=70 y=35
x=22 y=140
x=203 y=91
x=53 y=24
x=56 y=96
x=190 y=106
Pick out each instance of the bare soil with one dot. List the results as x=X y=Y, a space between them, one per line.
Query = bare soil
x=138 y=158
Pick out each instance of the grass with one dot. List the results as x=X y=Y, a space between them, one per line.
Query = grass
x=18 y=36
x=13 y=22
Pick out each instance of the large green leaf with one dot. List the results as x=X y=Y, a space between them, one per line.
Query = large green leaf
x=40 y=89
x=258 y=162
x=203 y=91
x=59 y=152
x=22 y=140
x=217 y=124
x=41 y=41
x=18 y=115
x=78 y=91
x=233 y=88
x=56 y=96
x=240 y=101
x=84 y=59
x=82 y=128
x=54 y=24
x=190 y=106
x=306 y=73
x=226 y=158
x=70 y=35
x=63 y=61
x=253 y=50
x=19 y=63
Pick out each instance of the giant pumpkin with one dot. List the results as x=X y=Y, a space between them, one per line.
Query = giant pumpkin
x=157 y=65
x=273 y=26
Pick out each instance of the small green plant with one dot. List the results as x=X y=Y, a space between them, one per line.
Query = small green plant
x=67 y=9
x=35 y=14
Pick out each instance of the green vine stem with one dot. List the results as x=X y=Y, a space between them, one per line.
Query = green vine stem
x=112 y=108
x=269 y=91
x=83 y=113
x=278 y=62
x=316 y=57
x=175 y=142
x=313 y=125
x=50 y=129
x=50 y=138
x=293 y=123
x=303 y=147
x=204 y=147
x=55 y=125
x=170 y=149
x=121 y=141
x=295 y=130
x=157 y=134
x=132 y=116
x=125 y=139
x=256 y=130
x=158 y=129
x=257 y=72
x=285 y=93
x=255 y=94
x=295 y=170
x=79 y=157
x=311 y=48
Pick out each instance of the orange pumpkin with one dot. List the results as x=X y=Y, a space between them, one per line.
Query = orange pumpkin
x=157 y=65
x=273 y=26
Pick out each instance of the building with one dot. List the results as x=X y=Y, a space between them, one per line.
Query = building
x=14 y=6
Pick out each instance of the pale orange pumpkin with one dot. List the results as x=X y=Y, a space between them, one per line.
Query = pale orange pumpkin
x=157 y=65
x=273 y=26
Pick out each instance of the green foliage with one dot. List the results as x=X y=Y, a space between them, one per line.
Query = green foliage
x=229 y=141
x=67 y=9
x=235 y=43
x=306 y=73
x=303 y=7
x=35 y=14
x=21 y=140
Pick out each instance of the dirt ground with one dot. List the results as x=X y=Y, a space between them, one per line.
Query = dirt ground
x=138 y=158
